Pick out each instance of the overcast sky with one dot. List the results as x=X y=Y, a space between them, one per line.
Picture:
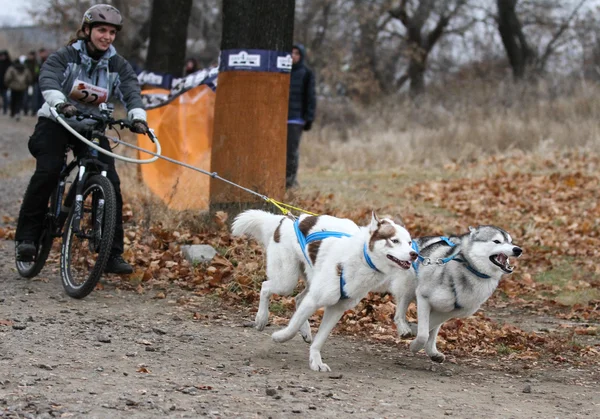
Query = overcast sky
x=12 y=12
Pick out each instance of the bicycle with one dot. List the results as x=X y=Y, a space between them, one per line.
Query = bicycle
x=87 y=211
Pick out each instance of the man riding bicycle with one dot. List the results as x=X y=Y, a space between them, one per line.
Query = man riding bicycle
x=75 y=79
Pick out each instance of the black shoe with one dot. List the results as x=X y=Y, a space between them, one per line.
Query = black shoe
x=26 y=251
x=117 y=265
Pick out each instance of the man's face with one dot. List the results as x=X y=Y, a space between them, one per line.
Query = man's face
x=296 y=57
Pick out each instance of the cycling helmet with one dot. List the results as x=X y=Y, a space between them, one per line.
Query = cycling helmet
x=102 y=14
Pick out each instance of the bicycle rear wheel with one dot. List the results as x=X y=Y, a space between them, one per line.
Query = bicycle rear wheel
x=85 y=251
x=44 y=245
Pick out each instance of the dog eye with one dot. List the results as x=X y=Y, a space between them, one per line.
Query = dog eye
x=497 y=241
x=395 y=241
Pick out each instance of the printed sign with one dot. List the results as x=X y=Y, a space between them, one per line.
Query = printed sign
x=255 y=60
x=243 y=59
x=88 y=93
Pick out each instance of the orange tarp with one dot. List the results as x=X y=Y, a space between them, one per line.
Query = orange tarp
x=184 y=128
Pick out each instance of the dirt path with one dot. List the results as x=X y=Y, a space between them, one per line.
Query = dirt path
x=118 y=354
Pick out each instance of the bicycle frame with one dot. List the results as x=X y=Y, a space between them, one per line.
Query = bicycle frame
x=61 y=208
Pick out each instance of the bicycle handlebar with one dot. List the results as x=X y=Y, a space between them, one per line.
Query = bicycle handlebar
x=108 y=122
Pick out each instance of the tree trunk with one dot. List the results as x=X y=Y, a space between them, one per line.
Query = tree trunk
x=515 y=44
x=250 y=132
x=168 y=36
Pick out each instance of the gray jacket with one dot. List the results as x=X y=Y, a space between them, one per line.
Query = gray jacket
x=71 y=75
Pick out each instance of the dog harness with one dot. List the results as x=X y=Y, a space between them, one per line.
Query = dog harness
x=427 y=261
x=322 y=235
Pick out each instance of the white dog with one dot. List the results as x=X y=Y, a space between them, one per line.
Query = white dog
x=345 y=270
x=340 y=269
x=287 y=252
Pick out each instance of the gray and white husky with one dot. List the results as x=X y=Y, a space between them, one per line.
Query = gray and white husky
x=453 y=278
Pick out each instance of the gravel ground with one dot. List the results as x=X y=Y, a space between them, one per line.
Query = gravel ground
x=119 y=354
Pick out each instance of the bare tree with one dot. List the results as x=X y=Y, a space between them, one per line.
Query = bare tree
x=251 y=107
x=519 y=54
x=168 y=36
x=549 y=17
x=421 y=39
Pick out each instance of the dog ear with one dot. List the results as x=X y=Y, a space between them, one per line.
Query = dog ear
x=396 y=220
x=472 y=231
x=374 y=223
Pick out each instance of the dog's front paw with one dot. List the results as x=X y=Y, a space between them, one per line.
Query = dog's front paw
x=437 y=357
x=404 y=329
x=417 y=344
x=306 y=333
x=319 y=366
x=261 y=321
x=281 y=336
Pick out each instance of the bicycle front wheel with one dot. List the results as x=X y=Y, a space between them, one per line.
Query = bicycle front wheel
x=88 y=237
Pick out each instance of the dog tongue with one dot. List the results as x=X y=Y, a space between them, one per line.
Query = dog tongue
x=502 y=258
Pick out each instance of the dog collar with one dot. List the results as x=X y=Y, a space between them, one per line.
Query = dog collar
x=368 y=259
x=473 y=270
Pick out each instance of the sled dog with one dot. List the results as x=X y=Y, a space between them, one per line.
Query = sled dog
x=454 y=277
x=340 y=270
x=286 y=260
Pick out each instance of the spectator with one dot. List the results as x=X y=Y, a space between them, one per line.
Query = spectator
x=301 y=111
x=191 y=66
x=4 y=65
x=17 y=79
x=30 y=102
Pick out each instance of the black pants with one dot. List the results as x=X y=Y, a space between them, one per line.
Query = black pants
x=294 y=133
x=47 y=145
x=16 y=101
x=5 y=101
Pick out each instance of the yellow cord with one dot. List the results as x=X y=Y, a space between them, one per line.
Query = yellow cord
x=281 y=206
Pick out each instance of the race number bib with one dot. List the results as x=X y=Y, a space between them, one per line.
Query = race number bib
x=88 y=93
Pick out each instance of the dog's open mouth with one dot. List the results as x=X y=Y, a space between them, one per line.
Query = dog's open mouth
x=404 y=264
x=503 y=262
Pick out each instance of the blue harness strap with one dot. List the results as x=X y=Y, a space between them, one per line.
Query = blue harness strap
x=301 y=239
x=368 y=259
x=343 y=295
x=420 y=258
x=314 y=237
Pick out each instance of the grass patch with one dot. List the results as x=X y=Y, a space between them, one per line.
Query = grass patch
x=277 y=308
x=565 y=288
x=581 y=296
x=560 y=275
x=504 y=350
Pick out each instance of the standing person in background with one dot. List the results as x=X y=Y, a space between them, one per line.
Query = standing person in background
x=4 y=64
x=29 y=103
x=191 y=66
x=17 y=79
x=301 y=111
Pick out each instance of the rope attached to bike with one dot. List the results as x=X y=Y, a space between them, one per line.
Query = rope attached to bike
x=284 y=208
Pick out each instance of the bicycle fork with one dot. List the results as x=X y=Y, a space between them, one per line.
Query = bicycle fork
x=97 y=206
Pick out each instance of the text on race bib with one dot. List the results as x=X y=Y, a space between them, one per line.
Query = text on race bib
x=88 y=93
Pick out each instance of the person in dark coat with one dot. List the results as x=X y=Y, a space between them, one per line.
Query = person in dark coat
x=4 y=64
x=17 y=78
x=301 y=111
